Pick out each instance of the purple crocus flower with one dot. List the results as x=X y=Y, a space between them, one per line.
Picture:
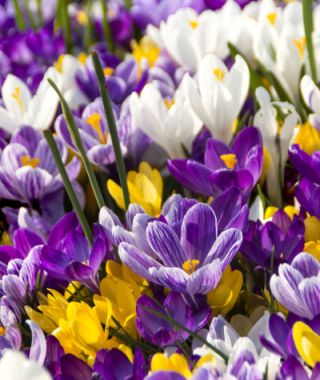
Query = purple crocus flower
x=123 y=370
x=160 y=331
x=146 y=12
x=292 y=368
x=67 y=256
x=239 y=165
x=94 y=131
x=185 y=254
x=308 y=189
x=279 y=240
x=297 y=286
x=28 y=173
x=281 y=341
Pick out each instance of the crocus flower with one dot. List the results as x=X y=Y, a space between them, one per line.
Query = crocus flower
x=307 y=343
x=160 y=331
x=296 y=286
x=294 y=369
x=68 y=256
x=29 y=174
x=308 y=187
x=224 y=167
x=14 y=365
x=276 y=140
x=145 y=188
x=94 y=132
x=191 y=263
x=153 y=12
x=23 y=109
x=311 y=96
x=168 y=122
x=279 y=239
x=216 y=88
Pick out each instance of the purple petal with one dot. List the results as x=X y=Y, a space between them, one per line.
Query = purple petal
x=38 y=348
x=205 y=279
x=198 y=232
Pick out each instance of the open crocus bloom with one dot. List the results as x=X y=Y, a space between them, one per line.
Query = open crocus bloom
x=169 y=122
x=191 y=263
x=218 y=94
x=20 y=108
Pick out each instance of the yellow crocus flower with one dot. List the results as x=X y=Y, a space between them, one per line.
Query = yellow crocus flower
x=308 y=138
x=223 y=298
x=177 y=363
x=145 y=188
x=313 y=247
x=307 y=343
x=312 y=229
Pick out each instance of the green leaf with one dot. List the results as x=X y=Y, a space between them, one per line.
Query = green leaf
x=307 y=10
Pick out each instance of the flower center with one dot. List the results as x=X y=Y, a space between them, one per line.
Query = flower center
x=59 y=63
x=82 y=58
x=272 y=17
x=29 y=161
x=94 y=121
x=194 y=24
x=189 y=266
x=17 y=97
x=82 y=18
x=2 y=331
x=229 y=160
x=300 y=45
x=108 y=71
x=145 y=49
x=219 y=73
x=168 y=103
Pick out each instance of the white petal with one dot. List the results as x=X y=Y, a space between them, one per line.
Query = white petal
x=16 y=95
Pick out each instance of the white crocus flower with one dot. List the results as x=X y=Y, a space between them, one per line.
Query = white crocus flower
x=311 y=96
x=68 y=66
x=168 y=122
x=15 y=366
x=188 y=37
x=20 y=108
x=276 y=139
x=217 y=94
x=280 y=45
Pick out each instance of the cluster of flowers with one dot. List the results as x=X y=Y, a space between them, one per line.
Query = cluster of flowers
x=159 y=190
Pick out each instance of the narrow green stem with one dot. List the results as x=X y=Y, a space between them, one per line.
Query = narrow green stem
x=65 y=23
x=307 y=7
x=106 y=26
x=68 y=186
x=74 y=131
x=128 y=3
x=88 y=33
x=32 y=21
x=112 y=128
x=40 y=14
x=19 y=16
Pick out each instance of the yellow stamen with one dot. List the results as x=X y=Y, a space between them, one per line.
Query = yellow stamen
x=145 y=49
x=300 y=45
x=82 y=58
x=229 y=160
x=219 y=74
x=17 y=97
x=59 y=63
x=2 y=331
x=29 y=161
x=82 y=18
x=168 y=103
x=94 y=121
x=108 y=71
x=193 y=23
x=272 y=17
x=189 y=266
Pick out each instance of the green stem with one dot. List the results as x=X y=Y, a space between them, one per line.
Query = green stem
x=106 y=25
x=128 y=3
x=307 y=9
x=112 y=128
x=19 y=16
x=67 y=184
x=65 y=23
x=40 y=15
x=32 y=21
x=74 y=131
x=88 y=33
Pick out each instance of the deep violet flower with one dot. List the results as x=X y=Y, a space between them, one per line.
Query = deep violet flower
x=239 y=165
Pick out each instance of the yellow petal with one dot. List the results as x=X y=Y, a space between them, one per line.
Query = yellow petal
x=307 y=343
